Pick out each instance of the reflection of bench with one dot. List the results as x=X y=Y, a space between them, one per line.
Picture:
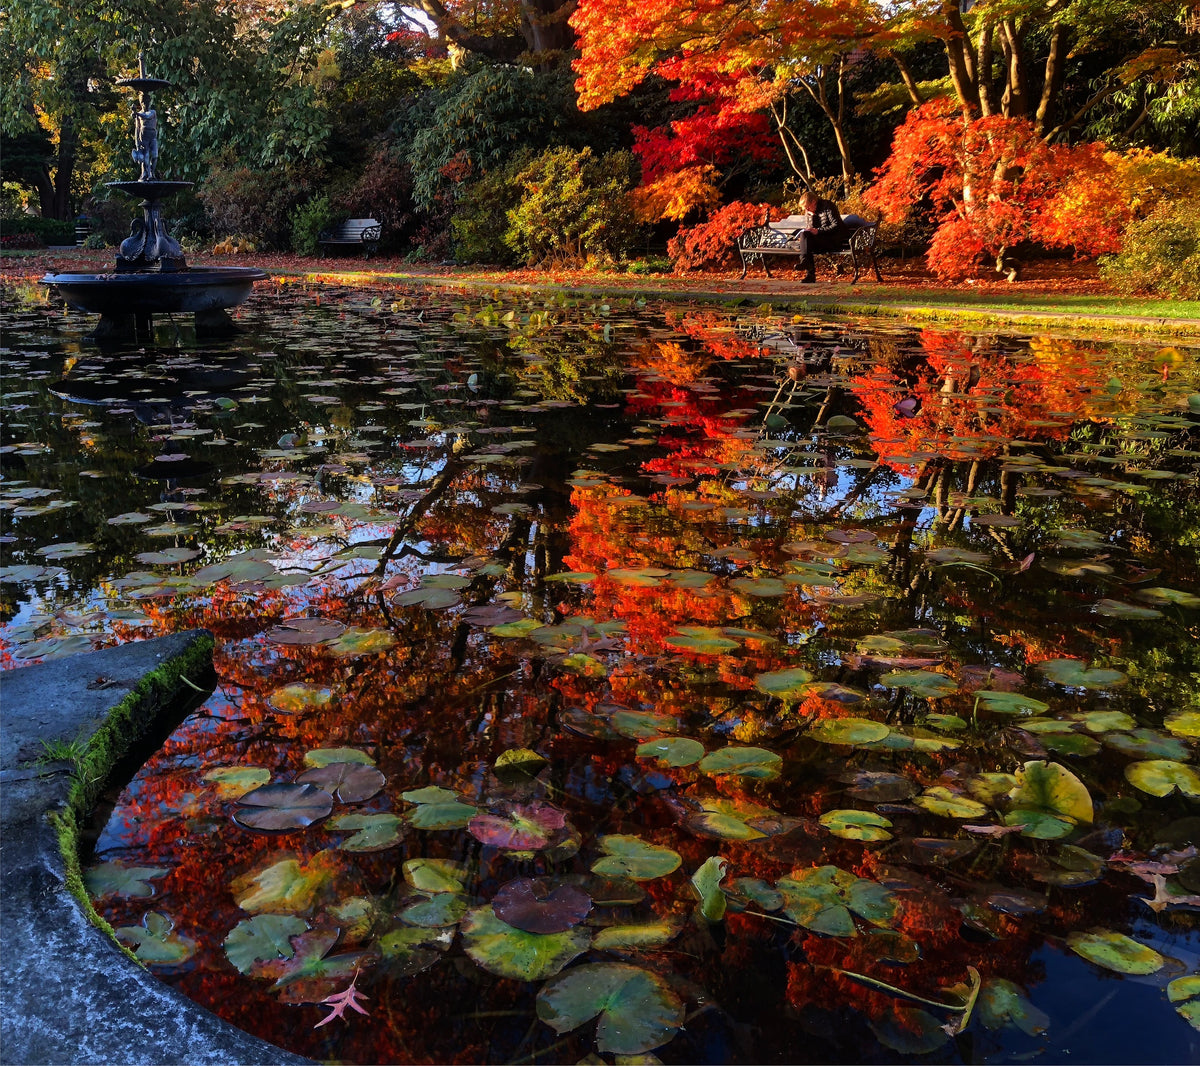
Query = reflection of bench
x=781 y=238
x=361 y=233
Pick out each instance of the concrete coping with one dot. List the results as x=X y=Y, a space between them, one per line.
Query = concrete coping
x=68 y=994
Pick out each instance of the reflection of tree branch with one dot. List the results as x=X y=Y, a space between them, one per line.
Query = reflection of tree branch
x=455 y=465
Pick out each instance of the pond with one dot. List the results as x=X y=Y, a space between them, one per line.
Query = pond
x=611 y=681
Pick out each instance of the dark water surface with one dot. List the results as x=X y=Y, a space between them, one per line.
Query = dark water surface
x=556 y=607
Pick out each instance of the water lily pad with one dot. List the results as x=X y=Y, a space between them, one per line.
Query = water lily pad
x=1119 y=609
x=856 y=825
x=1010 y=702
x=924 y=683
x=263 y=937
x=756 y=763
x=359 y=641
x=155 y=942
x=325 y=756
x=167 y=556
x=1074 y=673
x=1147 y=743
x=1184 y=724
x=300 y=696
x=878 y=786
x=641 y=725
x=311 y=973
x=117 y=879
x=287 y=886
x=672 y=751
x=701 y=640
x=1163 y=596
x=302 y=632
x=535 y=906
x=431 y=598
x=825 y=900
x=519 y=764
x=235 y=781
x=503 y=949
x=440 y=816
x=1104 y=721
x=1001 y=1002
x=760 y=586
x=350 y=782
x=1116 y=951
x=757 y=891
x=909 y=1030
x=631 y=857
x=784 y=684
x=1047 y=793
x=1161 y=777
x=518 y=827
x=707 y=883
x=940 y=800
x=849 y=731
x=440 y=910
x=372 y=832
x=1184 y=992
x=283 y=806
x=435 y=875
x=635 y=937
x=637 y=1010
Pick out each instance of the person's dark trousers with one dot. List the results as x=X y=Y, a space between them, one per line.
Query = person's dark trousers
x=825 y=241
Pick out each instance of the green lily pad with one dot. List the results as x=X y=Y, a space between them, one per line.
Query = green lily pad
x=757 y=891
x=1120 y=609
x=924 y=683
x=437 y=816
x=1161 y=777
x=1116 y=951
x=1184 y=724
x=1074 y=673
x=235 y=781
x=435 y=875
x=632 y=857
x=672 y=751
x=287 y=886
x=760 y=586
x=407 y=951
x=573 y=577
x=372 y=832
x=431 y=598
x=281 y=806
x=519 y=764
x=637 y=1010
x=646 y=577
x=311 y=973
x=1163 y=597
x=325 y=756
x=1104 y=721
x=117 y=879
x=756 y=763
x=722 y=826
x=849 y=731
x=440 y=910
x=825 y=900
x=300 y=696
x=167 y=557
x=504 y=950
x=156 y=942
x=350 y=782
x=1010 y=702
x=857 y=825
x=707 y=883
x=1048 y=789
x=359 y=641
x=1147 y=743
x=784 y=684
x=635 y=937
x=940 y=800
x=642 y=725
x=431 y=794
x=1184 y=992
x=701 y=640
x=1001 y=1002
x=265 y=936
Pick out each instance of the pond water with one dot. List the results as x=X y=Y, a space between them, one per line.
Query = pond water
x=604 y=681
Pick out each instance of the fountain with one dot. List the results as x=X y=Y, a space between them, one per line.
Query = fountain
x=151 y=276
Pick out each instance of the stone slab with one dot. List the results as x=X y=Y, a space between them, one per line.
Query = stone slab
x=68 y=995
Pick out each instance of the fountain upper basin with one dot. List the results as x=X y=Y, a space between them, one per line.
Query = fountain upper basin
x=194 y=289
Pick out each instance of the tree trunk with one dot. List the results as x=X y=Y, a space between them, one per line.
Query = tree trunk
x=910 y=83
x=983 y=69
x=1052 y=77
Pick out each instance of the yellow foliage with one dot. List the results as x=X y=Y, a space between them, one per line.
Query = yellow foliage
x=1144 y=178
x=234 y=246
x=676 y=195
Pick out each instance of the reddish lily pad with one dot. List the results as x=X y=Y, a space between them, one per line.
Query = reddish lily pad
x=535 y=907
x=282 y=806
x=520 y=827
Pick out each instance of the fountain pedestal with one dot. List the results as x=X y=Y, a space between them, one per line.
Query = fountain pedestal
x=150 y=275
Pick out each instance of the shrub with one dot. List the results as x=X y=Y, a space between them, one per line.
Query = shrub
x=308 y=220
x=258 y=204
x=714 y=242
x=42 y=230
x=21 y=240
x=574 y=207
x=1161 y=254
x=479 y=222
x=383 y=191
x=95 y=242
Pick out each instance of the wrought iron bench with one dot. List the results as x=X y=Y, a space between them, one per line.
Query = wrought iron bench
x=361 y=233
x=780 y=238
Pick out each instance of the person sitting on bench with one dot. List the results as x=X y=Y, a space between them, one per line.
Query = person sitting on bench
x=827 y=233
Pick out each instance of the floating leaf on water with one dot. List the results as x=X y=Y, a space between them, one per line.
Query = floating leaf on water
x=282 y=806
x=263 y=937
x=1010 y=702
x=350 y=782
x=1184 y=724
x=535 y=906
x=431 y=598
x=235 y=781
x=947 y=723
x=435 y=875
x=759 y=586
x=1184 y=992
x=372 y=832
x=637 y=1010
x=573 y=577
x=503 y=949
x=857 y=825
x=831 y=690
x=849 y=731
x=167 y=557
x=1104 y=721
x=1162 y=597
x=1074 y=673
x=825 y=900
x=1001 y=1002
x=519 y=827
x=701 y=640
x=325 y=756
x=757 y=891
x=1116 y=951
x=672 y=751
x=631 y=857
x=878 y=786
x=756 y=763
x=1118 y=609
x=1161 y=777
x=519 y=764
x=1143 y=743
x=117 y=879
x=357 y=640
x=921 y=683
x=642 y=725
x=304 y=632
x=635 y=937
x=522 y=628
x=909 y=1030
x=154 y=942
x=312 y=973
x=646 y=577
x=440 y=910
x=707 y=883
x=430 y=794
x=940 y=800
x=1046 y=793
x=300 y=696
x=785 y=684
x=287 y=886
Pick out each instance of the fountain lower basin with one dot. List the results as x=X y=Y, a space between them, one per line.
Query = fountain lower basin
x=184 y=291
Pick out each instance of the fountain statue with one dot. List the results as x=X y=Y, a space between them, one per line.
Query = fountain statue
x=151 y=275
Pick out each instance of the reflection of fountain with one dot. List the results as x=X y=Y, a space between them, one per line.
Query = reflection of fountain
x=151 y=276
